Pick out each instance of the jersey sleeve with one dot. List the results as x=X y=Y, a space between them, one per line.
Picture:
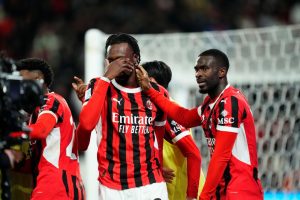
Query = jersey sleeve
x=43 y=126
x=229 y=114
x=89 y=116
x=218 y=163
x=90 y=89
x=53 y=107
x=174 y=131
x=186 y=117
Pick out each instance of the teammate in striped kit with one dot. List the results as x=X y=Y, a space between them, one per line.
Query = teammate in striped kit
x=228 y=124
x=53 y=139
x=128 y=125
x=181 y=174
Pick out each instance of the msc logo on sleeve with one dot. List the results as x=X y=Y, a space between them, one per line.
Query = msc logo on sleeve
x=224 y=119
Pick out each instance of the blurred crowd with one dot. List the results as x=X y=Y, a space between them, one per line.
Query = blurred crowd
x=54 y=29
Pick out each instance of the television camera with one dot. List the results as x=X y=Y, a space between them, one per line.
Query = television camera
x=18 y=98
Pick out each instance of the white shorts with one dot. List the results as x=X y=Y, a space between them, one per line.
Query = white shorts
x=155 y=191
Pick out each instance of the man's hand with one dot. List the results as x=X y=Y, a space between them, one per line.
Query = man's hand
x=118 y=67
x=79 y=87
x=168 y=174
x=143 y=78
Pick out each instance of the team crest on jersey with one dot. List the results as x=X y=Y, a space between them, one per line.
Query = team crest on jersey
x=149 y=104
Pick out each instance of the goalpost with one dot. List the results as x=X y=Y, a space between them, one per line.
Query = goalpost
x=264 y=64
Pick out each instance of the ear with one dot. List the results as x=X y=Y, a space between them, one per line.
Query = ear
x=222 y=72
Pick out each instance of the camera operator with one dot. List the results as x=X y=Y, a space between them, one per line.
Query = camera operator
x=53 y=140
x=16 y=97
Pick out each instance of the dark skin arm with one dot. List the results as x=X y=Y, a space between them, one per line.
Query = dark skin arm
x=188 y=117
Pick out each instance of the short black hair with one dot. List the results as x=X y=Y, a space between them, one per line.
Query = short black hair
x=124 y=38
x=160 y=71
x=220 y=57
x=37 y=64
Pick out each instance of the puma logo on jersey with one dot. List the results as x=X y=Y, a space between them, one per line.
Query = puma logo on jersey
x=118 y=101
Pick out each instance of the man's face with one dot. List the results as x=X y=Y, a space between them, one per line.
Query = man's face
x=122 y=50
x=207 y=74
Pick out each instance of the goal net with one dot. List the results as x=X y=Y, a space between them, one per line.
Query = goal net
x=264 y=64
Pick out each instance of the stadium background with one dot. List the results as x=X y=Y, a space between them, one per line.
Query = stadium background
x=265 y=62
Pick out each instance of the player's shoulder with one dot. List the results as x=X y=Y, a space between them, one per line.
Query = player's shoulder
x=94 y=80
x=55 y=99
x=54 y=95
x=234 y=94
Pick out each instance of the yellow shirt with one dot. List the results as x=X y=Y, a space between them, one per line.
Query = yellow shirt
x=173 y=159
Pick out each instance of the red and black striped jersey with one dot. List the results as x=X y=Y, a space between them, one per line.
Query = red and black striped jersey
x=58 y=151
x=129 y=128
x=230 y=112
x=229 y=119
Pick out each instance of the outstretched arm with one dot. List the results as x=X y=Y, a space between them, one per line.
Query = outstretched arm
x=186 y=117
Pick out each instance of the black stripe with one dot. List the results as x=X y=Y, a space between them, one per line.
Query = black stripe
x=135 y=143
x=235 y=110
x=147 y=143
x=122 y=145
x=244 y=114
x=221 y=109
x=55 y=106
x=218 y=195
x=227 y=177
x=159 y=113
x=75 y=188
x=91 y=86
x=109 y=141
x=207 y=129
x=54 y=109
x=203 y=107
x=65 y=181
